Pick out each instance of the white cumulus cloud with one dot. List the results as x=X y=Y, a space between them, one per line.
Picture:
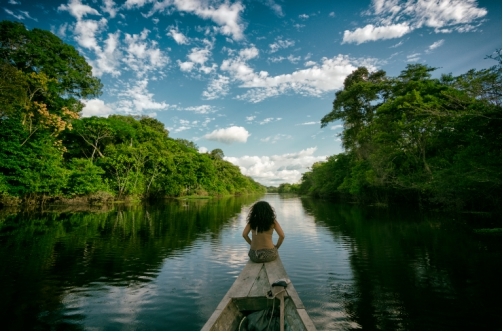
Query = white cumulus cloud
x=326 y=76
x=280 y=43
x=109 y=57
x=277 y=169
x=110 y=8
x=268 y=120
x=395 y=18
x=178 y=37
x=372 y=33
x=436 y=44
x=218 y=87
x=77 y=9
x=96 y=107
x=201 y=109
x=182 y=125
x=443 y=13
x=275 y=7
x=136 y=51
x=143 y=55
x=136 y=99
x=197 y=59
x=229 y=135
x=226 y=15
x=136 y=3
x=85 y=33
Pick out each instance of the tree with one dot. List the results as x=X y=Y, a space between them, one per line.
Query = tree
x=416 y=137
x=356 y=105
x=154 y=124
x=25 y=95
x=85 y=178
x=187 y=144
x=44 y=80
x=93 y=132
x=33 y=169
x=217 y=154
x=38 y=51
x=119 y=165
x=47 y=151
x=13 y=89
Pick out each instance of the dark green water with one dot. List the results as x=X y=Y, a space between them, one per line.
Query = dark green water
x=167 y=266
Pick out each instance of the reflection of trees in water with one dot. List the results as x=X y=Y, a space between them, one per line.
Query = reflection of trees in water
x=45 y=255
x=412 y=271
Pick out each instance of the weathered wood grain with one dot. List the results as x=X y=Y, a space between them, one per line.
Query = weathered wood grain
x=248 y=294
x=229 y=319
x=275 y=271
x=242 y=286
x=224 y=319
x=295 y=296
x=261 y=285
x=292 y=317
x=308 y=323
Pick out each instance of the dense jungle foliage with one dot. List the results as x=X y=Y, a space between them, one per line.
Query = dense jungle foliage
x=416 y=139
x=284 y=188
x=48 y=152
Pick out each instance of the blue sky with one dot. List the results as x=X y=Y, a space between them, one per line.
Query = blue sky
x=254 y=78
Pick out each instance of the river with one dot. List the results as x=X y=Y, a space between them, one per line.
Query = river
x=167 y=266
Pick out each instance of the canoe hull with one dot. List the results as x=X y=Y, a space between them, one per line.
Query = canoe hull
x=247 y=294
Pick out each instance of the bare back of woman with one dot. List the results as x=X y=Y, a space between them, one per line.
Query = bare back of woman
x=262 y=223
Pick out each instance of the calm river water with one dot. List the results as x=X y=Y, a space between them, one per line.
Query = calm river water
x=167 y=266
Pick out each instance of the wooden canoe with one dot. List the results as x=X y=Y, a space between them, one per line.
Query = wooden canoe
x=248 y=294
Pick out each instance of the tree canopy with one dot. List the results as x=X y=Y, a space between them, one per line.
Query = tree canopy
x=36 y=51
x=416 y=138
x=49 y=152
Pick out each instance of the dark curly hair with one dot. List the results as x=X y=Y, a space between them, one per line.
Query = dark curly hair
x=261 y=216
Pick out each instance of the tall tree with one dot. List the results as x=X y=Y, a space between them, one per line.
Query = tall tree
x=355 y=105
x=41 y=51
x=46 y=77
x=217 y=154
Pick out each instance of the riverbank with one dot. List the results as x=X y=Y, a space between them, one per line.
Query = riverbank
x=100 y=199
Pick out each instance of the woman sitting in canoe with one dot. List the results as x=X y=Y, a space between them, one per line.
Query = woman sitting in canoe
x=262 y=222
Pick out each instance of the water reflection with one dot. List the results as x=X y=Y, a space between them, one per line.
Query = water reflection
x=413 y=272
x=167 y=266
x=59 y=268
